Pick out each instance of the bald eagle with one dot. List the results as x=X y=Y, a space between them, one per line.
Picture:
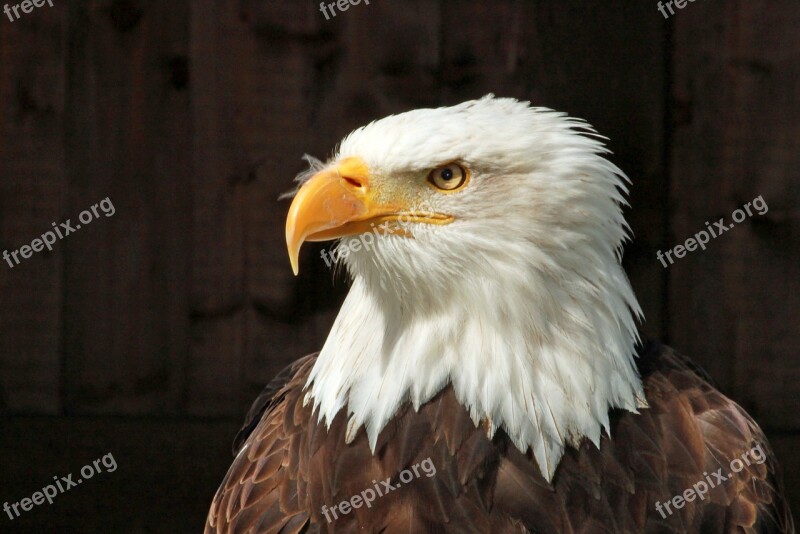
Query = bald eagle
x=485 y=372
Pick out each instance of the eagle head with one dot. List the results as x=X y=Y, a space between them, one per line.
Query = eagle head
x=483 y=241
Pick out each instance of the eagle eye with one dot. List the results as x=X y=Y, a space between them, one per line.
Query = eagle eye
x=450 y=177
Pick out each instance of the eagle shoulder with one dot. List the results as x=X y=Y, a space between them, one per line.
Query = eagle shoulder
x=259 y=492
x=272 y=394
x=289 y=468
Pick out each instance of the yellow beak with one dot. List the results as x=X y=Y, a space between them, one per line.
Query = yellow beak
x=340 y=201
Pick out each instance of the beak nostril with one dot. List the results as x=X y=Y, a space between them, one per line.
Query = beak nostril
x=353 y=181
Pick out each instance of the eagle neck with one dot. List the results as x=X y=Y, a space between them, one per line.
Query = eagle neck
x=539 y=357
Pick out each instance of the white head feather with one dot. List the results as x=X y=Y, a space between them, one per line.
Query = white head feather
x=520 y=303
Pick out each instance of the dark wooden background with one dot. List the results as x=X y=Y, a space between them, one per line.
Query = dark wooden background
x=148 y=334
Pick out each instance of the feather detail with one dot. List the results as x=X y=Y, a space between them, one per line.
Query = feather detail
x=447 y=476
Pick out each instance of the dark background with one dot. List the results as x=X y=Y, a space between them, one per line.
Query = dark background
x=147 y=334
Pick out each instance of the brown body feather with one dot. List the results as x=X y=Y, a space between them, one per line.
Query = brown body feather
x=290 y=467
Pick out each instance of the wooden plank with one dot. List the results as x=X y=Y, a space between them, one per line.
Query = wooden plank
x=218 y=291
x=297 y=93
x=389 y=60
x=785 y=446
x=32 y=197
x=277 y=91
x=214 y=374
x=179 y=462
x=735 y=305
x=598 y=62
x=126 y=276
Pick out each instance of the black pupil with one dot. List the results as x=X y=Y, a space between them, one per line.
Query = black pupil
x=447 y=174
